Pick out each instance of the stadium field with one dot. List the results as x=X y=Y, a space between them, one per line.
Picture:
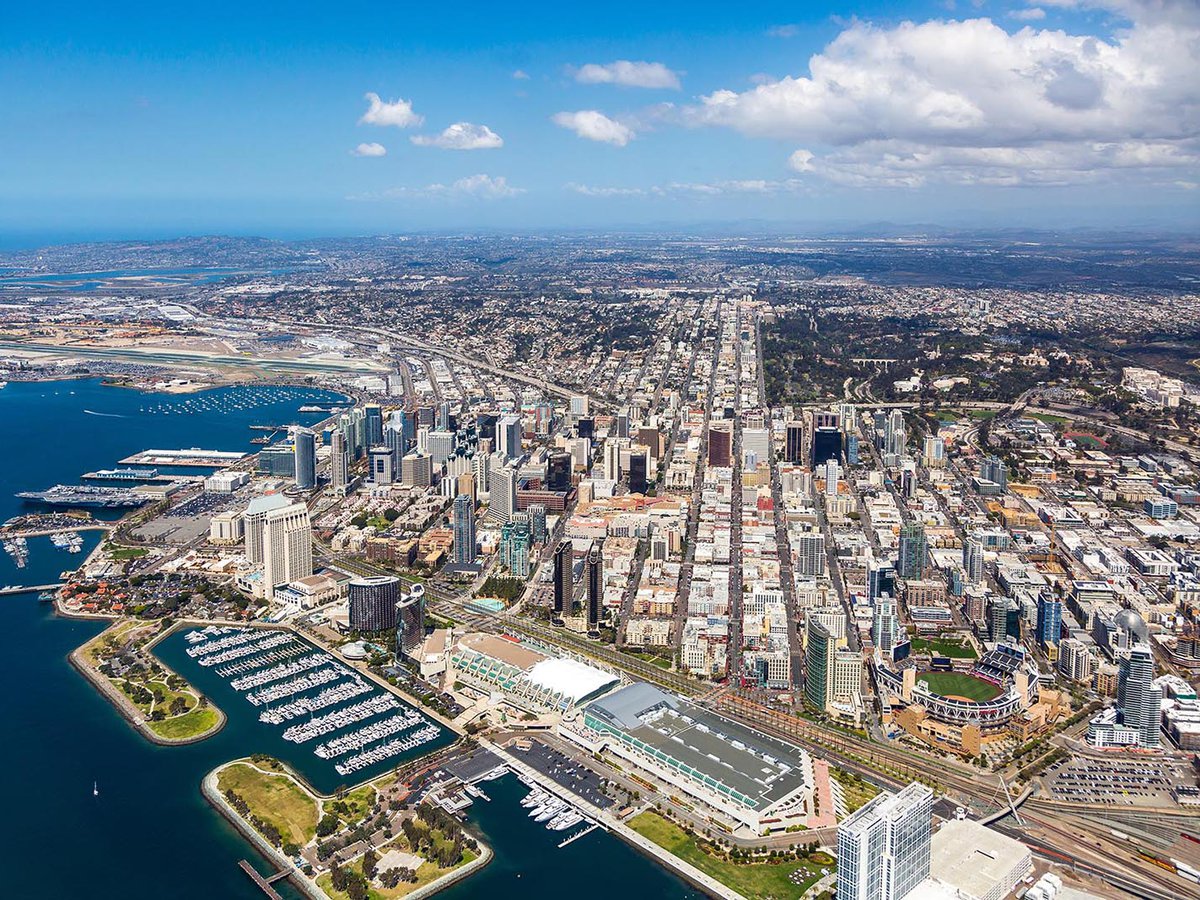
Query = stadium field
x=955 y=684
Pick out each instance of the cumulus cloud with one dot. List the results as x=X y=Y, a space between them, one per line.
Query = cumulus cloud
x=481 y=187
x=391 y=112
x=629 y=74
x=461 y=136
x=968 y=101
x=1032 y=14
x=371 y=149
x=594 y=126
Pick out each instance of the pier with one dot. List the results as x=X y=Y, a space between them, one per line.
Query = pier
x=9 y=589
x=264 y=883
x=578 y=835
x=193 y=456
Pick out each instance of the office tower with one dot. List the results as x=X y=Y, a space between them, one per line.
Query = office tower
x=831 y=476
x=443 y=416
x=579 y=405
x=372 y=603
x=404 y=423
x=993 y=469
x=416 y=470
x=1138 y=699
x=883 y=848
x=620 y=426
x=819 y=644
x=373 y=417
x=426 y=415
x=508 y=437
x=595 y=586
x=612 y=460
x=410 y=622
x=1049 y=620
x=895 y=434
x=393 y=437
x=581 y=453
x=380 y=465
x=756 y=441
x=514 y=546
x=881 y=579
x=485 y=425
x=720 y=443
x=537 y=522
x=440 y=446
x=564 y=579
x=586 y=427
x=912 y=551
x=502 y=495
x=278 y=460
x=973 y=560
x=827 y=445
x=825 y=418
x=464 y=530
x=852 y=457
x=287 y=546
x=810 y=554
x=481 y=466
x=846 y=683
x=638 y=466
x=885 y=625
x=423 y=439
x=304 y=446
x=793 y=447
x=933 y=452
x=252 y=523
x=339 y=461
x=651 y=438
x=558 y=471
x=908 y=484
x=997 y=613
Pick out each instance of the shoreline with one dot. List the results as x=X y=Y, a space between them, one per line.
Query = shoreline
x=123 y=704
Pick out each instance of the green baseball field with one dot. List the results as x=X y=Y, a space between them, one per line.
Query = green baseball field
x=955 y=684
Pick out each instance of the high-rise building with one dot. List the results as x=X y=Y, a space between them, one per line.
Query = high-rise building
x=973 y=560
x=440 y=446
x=881 y=579
x=508 y=436
x=933 y=452
x=1049 y=620
x=514 y=545
x=373 y=418
x=720 y=443
x=410 y=622
x=304 y=446
x=793 y=449
x=885 y=624
x=537 y=522
x=381 y=460
x=558 y=471
x=502 y=494
x=826 y=445
x=464 y=530
x=579 y=405
x=416 y=470
x=595 y=586
x=883 y=848
x=287 y=546
x=997 y=619
x=895 y=434
x=756 y=445
x=481 y=468
x=372 y=603
x=819 y=645
x=443 y=416
x=1139 y=701
x=612 y=459
x=620 y=426
x=913 y=549
x=993 y=469
x=852 y=458
x=586 y=427
x=564 y=579
x=253 y=520
x=638 y=466
x=339 y=461
x=810 y=554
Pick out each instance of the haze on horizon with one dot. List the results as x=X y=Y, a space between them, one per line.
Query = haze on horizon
x=307 y=119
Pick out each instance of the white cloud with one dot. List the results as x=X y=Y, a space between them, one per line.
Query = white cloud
x=1032 y=14
x=629 y=74
x=520 y=75
x=801 y=161
x=461 y=136
x=694 y=189
x=481 y=187
x=1041 y=106
x=588 y=190
x=595 y=126
x=783 y=31
x=392 y=112
x=371 y=149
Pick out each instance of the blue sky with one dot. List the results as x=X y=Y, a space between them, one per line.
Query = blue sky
x=140 y=119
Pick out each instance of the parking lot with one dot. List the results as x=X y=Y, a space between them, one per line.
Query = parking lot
x=565 y=771
x=1121 y=782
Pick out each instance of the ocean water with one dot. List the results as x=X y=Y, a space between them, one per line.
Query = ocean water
x=150 y=834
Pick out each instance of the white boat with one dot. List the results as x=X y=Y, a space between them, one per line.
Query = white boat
x=95 y=789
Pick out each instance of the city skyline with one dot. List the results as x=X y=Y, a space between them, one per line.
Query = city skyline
x=366 y=120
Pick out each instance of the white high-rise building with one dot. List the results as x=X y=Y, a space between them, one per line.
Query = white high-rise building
x=481 y=466
x=831 y=476
x=579 y=405
x=253 y=519
x=339 y=461
x=973 y=560
x=758 y=442
x=883 y=848
x=287 y=546
x=502 y=500
x=441 y=445
x=508 y=436
x=612 y=458
x=885 y=625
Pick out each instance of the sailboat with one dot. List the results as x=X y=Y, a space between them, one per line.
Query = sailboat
x=95 y=790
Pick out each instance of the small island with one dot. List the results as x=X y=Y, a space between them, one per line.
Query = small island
x=365 y=842
x=157 y=701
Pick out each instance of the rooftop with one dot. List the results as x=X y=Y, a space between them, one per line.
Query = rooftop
x=972 y=857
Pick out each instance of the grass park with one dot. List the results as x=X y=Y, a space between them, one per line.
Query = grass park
x=760 y=880
x=955 y=684
x=274 y=798
x=953 y=648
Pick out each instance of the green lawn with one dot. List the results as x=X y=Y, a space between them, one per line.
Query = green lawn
x=1049 y=419
x=125 y=552
x=190 y=724
x=945 y=647
x=275 y=799
x=982 y=413
x=958 y=685
x=429 y=872
x=757 y=881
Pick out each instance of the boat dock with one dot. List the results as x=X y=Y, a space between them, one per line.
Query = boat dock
x=135 y=476
x=29 y=588
x=264 y=883
x=578 y=835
